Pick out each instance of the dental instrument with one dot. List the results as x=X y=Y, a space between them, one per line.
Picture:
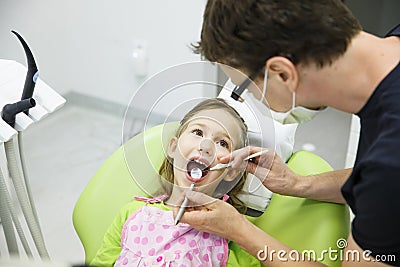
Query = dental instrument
x=196 y=173
x=13 y=76
x=32 y=73
x=226 y=165
x=183 y=206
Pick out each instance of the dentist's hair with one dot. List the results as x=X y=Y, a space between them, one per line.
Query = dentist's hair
x=166 y=170
x=245 y=34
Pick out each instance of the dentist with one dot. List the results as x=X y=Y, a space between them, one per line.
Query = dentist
x=304 y=56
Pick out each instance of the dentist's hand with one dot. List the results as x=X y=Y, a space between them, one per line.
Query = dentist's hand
x=213 y=216
x=269 y=168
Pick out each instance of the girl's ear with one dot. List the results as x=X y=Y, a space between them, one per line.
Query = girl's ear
x=173 y=144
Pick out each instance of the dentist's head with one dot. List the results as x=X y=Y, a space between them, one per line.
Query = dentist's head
x=277 y=51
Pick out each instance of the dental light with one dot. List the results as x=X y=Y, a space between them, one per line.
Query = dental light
x=18 y=112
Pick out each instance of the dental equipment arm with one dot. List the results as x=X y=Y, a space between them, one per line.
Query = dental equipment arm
x=48 y=101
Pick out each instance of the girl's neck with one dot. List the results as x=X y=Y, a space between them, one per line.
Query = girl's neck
x=176 y=197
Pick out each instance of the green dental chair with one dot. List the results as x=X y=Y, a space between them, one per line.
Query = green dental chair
x=302 y=224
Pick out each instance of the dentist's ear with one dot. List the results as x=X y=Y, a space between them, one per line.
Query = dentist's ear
x=284 y=71
x=172 y=145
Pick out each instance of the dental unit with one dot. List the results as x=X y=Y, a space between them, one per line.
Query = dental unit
x=37 y=101
x=7 y=211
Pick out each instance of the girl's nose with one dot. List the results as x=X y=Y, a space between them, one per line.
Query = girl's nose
x=207 y=146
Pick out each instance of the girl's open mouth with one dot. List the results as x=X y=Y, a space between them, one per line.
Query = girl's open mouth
x=196 y=163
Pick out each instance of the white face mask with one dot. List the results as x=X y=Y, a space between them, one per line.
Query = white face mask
x=294 y=115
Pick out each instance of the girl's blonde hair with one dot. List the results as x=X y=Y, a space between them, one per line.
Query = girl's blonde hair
x=167 y=169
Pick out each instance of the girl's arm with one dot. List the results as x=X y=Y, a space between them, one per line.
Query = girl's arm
x=111 y=246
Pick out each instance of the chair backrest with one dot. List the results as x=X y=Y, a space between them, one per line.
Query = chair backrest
x=302 y=224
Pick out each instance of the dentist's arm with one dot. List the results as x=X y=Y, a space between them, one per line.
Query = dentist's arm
x=220 y=218
x=277 y=177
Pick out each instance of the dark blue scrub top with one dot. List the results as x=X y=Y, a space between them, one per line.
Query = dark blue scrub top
x=373 y=189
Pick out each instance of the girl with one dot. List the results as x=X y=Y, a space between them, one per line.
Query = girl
x=144 y=233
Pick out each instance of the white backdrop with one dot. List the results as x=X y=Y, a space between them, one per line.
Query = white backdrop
x=86 y=46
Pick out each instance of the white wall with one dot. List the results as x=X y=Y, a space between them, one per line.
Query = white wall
x=376 y=17
x=86 y=46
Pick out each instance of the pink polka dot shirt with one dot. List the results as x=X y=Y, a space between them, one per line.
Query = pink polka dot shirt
x=150 y=238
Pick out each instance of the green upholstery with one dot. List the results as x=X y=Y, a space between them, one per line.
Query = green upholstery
x=302 y=224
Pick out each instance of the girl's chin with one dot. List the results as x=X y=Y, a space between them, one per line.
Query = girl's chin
x=203 y=186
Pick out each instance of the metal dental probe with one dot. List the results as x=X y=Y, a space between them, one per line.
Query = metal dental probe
x=195 y=173
x=226 y=165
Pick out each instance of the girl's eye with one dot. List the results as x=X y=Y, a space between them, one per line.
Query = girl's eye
x=198 y=132
x=223 y=143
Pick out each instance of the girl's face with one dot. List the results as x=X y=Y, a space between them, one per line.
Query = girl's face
x=209 y=135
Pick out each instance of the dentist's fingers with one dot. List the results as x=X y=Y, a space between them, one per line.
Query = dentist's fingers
x=274 y=174
x=178 y=197
x=269 y=168
x=261 y=165
x=239 y=155
x=197 y=200
x=211 y=215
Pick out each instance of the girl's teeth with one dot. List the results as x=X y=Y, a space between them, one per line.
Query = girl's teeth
x=200 y=162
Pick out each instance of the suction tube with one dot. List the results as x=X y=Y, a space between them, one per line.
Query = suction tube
x=22 y=196
x=32 y=74
x=5 y=217
x=6 y=209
